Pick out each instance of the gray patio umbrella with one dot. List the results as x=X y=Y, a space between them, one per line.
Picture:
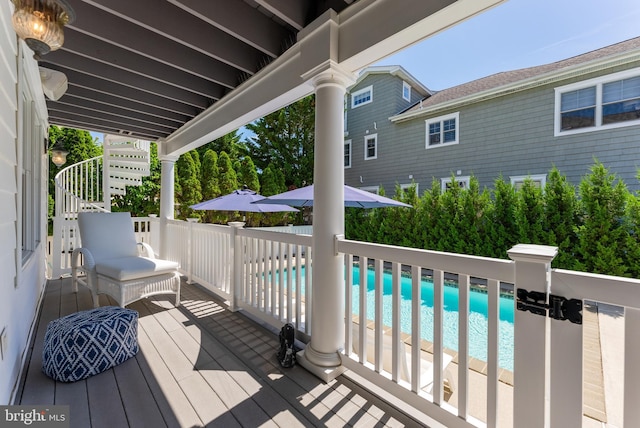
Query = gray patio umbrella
x=303 y=197
x=241 y=200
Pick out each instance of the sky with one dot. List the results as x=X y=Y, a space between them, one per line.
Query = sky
x=518 y=34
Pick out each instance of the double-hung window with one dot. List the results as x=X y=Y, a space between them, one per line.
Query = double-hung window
x=539 y=180
x=362 y=97
x=462 y=182
x=370 y=146
x=605 y=102
x=347 y=154
x=442 y=130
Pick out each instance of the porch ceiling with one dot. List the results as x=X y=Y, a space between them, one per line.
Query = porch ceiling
x=146 y=67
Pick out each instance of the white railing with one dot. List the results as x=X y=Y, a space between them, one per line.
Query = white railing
x=567 y=375
x=268 y=274
x=297 y=230
x=387 y=336
x=79 y=188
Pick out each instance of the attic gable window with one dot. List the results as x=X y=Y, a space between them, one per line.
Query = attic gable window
x=610 y=101
x=362 y=97
x=442 y=131
x=406 y=91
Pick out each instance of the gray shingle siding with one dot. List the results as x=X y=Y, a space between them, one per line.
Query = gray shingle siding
x=512 y=135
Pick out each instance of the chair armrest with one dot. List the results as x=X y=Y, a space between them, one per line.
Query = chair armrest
x=87 y=258
x=146 y=250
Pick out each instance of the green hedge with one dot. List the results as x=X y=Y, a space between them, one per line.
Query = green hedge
x=596 y=225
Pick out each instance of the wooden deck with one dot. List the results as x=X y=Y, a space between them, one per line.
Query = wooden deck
x=198 y=365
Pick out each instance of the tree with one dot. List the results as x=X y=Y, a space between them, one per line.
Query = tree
x=529 y=213
x=187 y=187
x=229 y=143
x=427 y=209
x=227 y=178
x=560 y=205
x=209 y=182
x=272 y=183
x=602 y=240
x=474 y=206
x=247 y=174
x=285 y=139
x=503 y=232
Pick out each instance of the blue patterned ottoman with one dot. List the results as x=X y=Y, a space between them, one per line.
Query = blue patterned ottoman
x=89 y=342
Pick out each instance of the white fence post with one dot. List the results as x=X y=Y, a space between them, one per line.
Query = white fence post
x=235 y=244
x=190 y=249
x=531 y=337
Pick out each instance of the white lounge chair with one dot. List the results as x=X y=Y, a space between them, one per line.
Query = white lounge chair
x=111 y=262
x=426 y=366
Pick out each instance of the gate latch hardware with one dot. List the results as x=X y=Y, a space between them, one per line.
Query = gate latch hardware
x=559 y=308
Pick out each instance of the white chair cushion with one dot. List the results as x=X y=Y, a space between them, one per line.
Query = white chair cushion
x=128 y=268
x=107 y=235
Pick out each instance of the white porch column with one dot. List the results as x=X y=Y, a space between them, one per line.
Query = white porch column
x=321 y=356
x=167 y=192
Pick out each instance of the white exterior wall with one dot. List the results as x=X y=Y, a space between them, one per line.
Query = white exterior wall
x=22 y=278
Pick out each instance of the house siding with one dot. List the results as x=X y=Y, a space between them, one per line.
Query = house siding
x=512 y=135
x=22 y=280
x=373 y=118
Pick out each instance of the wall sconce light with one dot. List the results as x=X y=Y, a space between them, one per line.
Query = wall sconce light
x=54 y=83
x=58 y=154
x=40 y=23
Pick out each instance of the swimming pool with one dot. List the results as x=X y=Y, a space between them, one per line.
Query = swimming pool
x=478 y=320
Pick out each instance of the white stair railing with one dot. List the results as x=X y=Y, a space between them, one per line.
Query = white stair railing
x=88 y=186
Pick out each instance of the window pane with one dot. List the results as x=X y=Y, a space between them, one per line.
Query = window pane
x=578 y=99
x=621 y=112
x=449 y=127
x=578 y=119
x=347 y=155
x=362 y=98
x=434 y=133
x=621 y=90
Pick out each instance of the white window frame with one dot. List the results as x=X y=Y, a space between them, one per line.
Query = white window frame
x=538 y=178
x=406 y=87
x=405 y=186
x=360 y=92
x=372 y=189
x=366 y=151
x=465 y=181
x=597 y=82
x=346 y=131
x=348 y=143
x=441 y=119
x=30 y=162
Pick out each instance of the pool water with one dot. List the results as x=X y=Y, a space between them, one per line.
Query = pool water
x=478 y=320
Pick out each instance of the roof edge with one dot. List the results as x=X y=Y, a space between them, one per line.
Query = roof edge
x=525 y=84
x=394 y=70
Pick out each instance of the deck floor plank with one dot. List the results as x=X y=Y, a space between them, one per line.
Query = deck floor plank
x=105 y=402
x=140 y=406
x=198 y=365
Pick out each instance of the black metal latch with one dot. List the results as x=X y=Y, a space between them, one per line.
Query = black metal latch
x=559 y=308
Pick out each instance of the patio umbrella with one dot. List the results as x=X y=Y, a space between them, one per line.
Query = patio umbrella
x=241 y=200
x=303 y=197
